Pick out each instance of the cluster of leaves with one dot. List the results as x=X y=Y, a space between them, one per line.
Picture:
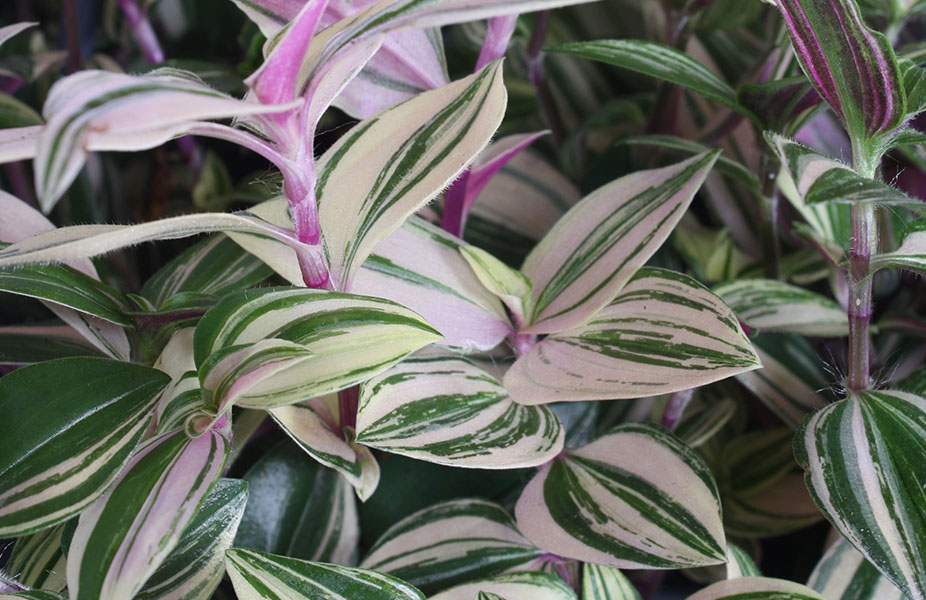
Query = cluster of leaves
x=413 y=357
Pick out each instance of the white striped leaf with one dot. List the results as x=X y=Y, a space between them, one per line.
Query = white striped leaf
x=298 y=508
x=606 y=583
x=740 y=564
x=444 y=409
x=451 y=543
x=390 y=165
x=261 y=576
x=98 y=110
x=420 y=266
x=38 y=560
x=536 y=586
x=819 y=179
x=757 y=460
x=844 y=574
x=181 y=401
x=594 y=250
x=635 y=498
x=659 y=61
x=912 y=252
x=196 y=566
x=488 y=596
x=775 y=510
x=69 y=427
x=510 y=285
x=316 y=426
x=123 y=538
x=34 y=595
x=664 y=332
x=863 y=460
x=213 y=267
x=776 y=306
x=756 y=587
x=22 y=345
x=326 y=340
x=10 y=30
x=88 y=241
x=704 y=418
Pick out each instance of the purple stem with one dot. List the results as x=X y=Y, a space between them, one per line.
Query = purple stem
x=454 y=219
x=72 y=32
x=860 y=248
x=348 y=401
x=144 y=33
x=538 y=77
x=675 y=408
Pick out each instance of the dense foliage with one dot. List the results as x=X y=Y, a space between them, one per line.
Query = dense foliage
x=462 y=299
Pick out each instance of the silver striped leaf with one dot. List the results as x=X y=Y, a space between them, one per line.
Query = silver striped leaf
x=288 y=344
x=705 y=417
x=315 y=425
x=912 y=251
x=34 y=595
x=635 y=498
x=443 y=409
x=612 y=233
x=606 y=583
x=757 y=460
x=536 y=586
x=776 y=306
x=56 y=460
x=756 y=587
x=663 y=333
x=298 y=508
x=123 y=538
x=740 y=564
x=38 y=560
x=451 y=543
x=421 y=267
x=392 y=164
x=844 y=574
x=863 y=459
x=195 y=567
x=262 y=576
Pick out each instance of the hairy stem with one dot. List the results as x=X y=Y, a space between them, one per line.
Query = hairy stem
x=538 y=76
x=860 y=249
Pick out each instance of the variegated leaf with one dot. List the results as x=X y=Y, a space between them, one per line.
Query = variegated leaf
x=34 y=595
x=196 y=566
x=451 y=543
x=511 y=286
x=298 y=508
x=758 y=459
x=819 y=179
x=270 y=577
x=778 y=509
x=390 y=165
x=771 y=305
x=704 y=418
x=663 y=333
x=863 y=460
x=315 y=425
x=331 y=341
x=852 y=66
x=444 y=409
x=38 y=560
x=660 y=61
x=740 y=564
x=756 y=587
x=10 y=30
x=844 y=574
x=213 y=267
x=606 y=583
x=55 y=461
x=536 y=586
x=912 y=252
x=421 y=267
x=635 y=498
x=610 y=235
x=98 y=110
x=123 y=538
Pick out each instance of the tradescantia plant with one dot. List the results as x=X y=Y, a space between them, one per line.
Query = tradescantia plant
x=462 y=306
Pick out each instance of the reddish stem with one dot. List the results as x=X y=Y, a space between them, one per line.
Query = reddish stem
x=675 y=408
x=860 y=248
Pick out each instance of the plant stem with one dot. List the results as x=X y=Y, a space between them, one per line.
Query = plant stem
x=860 y=248
x=538 y=76
x=72 y=33
x=144 y=34
x=348 y=401
x=675 y=408
x=454 y=217
x=768 y=214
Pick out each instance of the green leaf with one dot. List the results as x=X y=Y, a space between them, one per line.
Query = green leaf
x=660 y=61
x=16 y=113
x=512 y=286
x=536 y=586
x=38 y=560
x=195 y=567
x=389 y=166
x=664 y=332
x=844 y=574
x=444 y=409
x=333 y=340
x=22 y=345
x=55 y=460
x=611 y=234
x=270 y=577
x=775 y=510
x=123 y=538
x=606 y=583
x=298 y=508
x=756 y=587
x=451 y=543
x=758 y=459
x=635 y=498
x=771 y=305
x=863 y=460
x=912 y=252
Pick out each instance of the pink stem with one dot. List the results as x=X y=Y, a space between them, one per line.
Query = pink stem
x=348 y=401
x=675 y=408
x=454 y=219
x=144 y=33
x=860 y=296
